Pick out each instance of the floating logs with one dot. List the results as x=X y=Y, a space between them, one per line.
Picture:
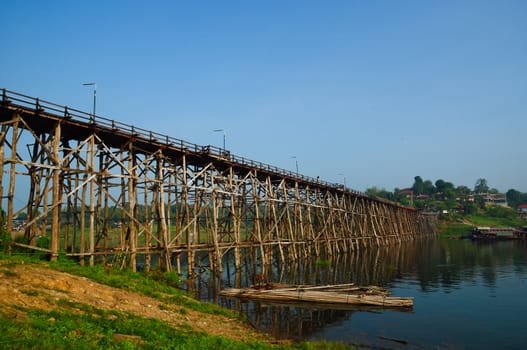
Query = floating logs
x=334 y=294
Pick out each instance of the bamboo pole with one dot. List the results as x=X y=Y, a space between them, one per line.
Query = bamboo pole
x=131 y=233
x=92 y=184
x=55 y=222
x=185 y=199
x=12 y=169
x=235 y=213
x=105 y=185
x=257 y=221
x=3 y=135
x=162 y=225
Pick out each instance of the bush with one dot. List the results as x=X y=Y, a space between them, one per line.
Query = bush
x=5 y=239
x=171 y=278
x=43 y=242
x=470 y=208
x=502 y=212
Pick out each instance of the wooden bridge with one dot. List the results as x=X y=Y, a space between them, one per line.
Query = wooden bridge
x=82 y=185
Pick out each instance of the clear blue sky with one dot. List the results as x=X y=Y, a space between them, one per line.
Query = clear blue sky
x=379 y=91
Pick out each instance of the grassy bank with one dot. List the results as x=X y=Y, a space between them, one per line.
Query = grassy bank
x=43 y=305
x=77 y=326
x=453 y=229
x=456 y=225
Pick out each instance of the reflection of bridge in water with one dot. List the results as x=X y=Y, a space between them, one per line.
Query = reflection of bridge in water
x=98 y=189
x=378 y=266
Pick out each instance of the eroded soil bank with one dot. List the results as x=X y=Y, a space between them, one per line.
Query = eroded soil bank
x=31 y=286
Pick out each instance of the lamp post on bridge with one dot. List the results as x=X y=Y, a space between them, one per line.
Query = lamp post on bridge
x=224 y=137
x=296 y=163
x=344 y=178
x=94 y=97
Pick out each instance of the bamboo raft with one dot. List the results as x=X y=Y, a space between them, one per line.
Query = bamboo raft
x=330 y=294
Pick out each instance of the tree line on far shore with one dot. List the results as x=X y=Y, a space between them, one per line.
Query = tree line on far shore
x=444 y=195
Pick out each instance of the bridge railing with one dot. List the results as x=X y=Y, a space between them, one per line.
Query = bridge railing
x=15 y=98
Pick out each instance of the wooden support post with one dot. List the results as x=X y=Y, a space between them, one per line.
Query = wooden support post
x=151 y=211
x=82 y=248
x=75 y=208
x=162 y=224
x=3 y=135
x=235 y=214
x=186 y=216
x=275 y=231
x=92 y=184
x=55 y=203
x=12 y=170
x=105 y=189
x=216 y=203
x=132 y=233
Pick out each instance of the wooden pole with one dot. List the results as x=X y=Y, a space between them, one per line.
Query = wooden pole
x=92 y=184
x=162 y=224
x=55 y=223
x=132 y=234
x=12 y=170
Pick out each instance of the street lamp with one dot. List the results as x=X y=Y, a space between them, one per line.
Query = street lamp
x=224 y=135
x=296 y=162
x=94 y=96
x=344 y=179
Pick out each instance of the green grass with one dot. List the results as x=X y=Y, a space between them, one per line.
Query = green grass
x=155 y=283
x=454 y=229
x=79 y=326
x=96 y=329
x=455 y=224
x=92 y=328
x=485 y=220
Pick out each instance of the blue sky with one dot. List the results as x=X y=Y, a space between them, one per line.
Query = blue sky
x=374 y=91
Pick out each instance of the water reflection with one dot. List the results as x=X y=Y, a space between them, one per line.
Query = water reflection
x=376 y=266
x=445 y=264
x=473 y=274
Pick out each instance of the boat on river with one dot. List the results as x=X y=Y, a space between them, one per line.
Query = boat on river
x=498 y=233
x=348 y=294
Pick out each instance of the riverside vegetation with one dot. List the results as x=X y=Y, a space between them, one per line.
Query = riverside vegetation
x=460 y=209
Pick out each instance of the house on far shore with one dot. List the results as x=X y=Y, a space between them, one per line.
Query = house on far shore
x=499 y=199
x=496 y=199
x=522 y=210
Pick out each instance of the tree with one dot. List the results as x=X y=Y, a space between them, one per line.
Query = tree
x=380 y=192
x=480 y=202
x=446 y=189
x=481 y=186
x=428 y=188
x=440 y=185
x=494 y=191
x=470 y=208
x=418 y=186
x=462 y=191
x=515 y=198
x=22 y=216
x=396 y=195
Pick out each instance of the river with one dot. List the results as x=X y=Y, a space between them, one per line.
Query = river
x=467 y=295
